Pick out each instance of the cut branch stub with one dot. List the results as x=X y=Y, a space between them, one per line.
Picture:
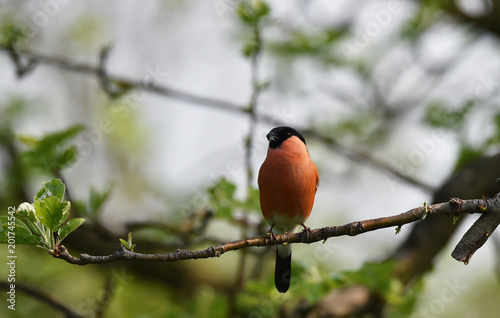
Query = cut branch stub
x=480 y=231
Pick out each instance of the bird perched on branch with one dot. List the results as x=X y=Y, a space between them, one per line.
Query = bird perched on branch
x=288 y=180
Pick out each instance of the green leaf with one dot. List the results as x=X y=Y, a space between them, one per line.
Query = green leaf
x=320 y=45
x=426 y=211
x=497 y=121
x=424 y=18
x=34 y=229
x=495 y=139
x=22 y=233
x=80 y=206
x=468 y=153
x=439 y=116
x=14 y=107
x=260 y=8
x=62 y=136
x=221 y=197
x=19 y=226
x=250 y=48
x=97 y=199
x=53 y=187
x=50 y=152
x=398 y=229
x=66 y=158
x=252 y=202
x=376 y=276
x=125 y=243
x=252 y=12
x=404 y=305
x=10 y=33
x=129 y=245
x=52 y=212
x=29 y=141
x=69 y=227
x=245 y=13
x=21 y=239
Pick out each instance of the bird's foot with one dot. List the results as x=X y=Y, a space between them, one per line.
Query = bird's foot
x=271 y=235
x=306 y=231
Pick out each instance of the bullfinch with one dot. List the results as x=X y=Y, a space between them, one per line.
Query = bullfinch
x=288 y=180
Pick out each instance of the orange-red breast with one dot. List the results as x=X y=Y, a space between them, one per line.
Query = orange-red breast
x=288 y=180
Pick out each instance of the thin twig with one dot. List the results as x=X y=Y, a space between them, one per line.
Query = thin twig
x=252 y=111
x=128 y=84
x=103 y=302
x=106 y=84
x=365 y=158
x=88 y=69
x=452 y=208
x=22 y=69
x=252 y=105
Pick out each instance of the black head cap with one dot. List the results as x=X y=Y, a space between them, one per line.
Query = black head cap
x=279 y=134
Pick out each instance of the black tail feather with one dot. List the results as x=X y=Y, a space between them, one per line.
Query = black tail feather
x=283 y=272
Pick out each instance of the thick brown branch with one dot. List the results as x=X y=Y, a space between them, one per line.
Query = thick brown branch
x=452 y=208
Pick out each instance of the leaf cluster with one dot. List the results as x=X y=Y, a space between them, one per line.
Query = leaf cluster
x=439 y=115
x=10 y=33
x=41 y=223
x=96 y=200
x=50 y=152
x=222 y=198
x=253 y=14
